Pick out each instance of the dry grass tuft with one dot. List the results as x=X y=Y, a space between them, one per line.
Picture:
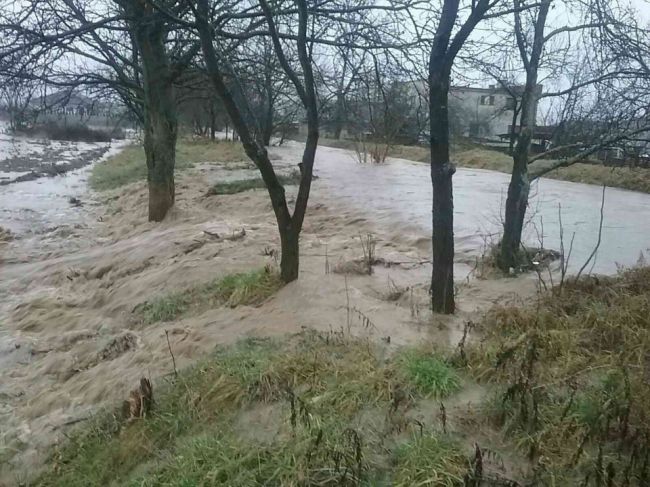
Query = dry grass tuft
x=571 y=373
x=6 y=235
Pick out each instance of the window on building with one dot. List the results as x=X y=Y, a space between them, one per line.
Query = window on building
x=510 y=103
x=487 y=100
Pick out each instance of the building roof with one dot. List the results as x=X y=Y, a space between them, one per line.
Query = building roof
x=494 y=89
x=69 y=98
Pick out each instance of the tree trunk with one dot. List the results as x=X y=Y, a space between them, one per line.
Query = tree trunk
x=290 y=246
x=519 y=188
x=340 y=115
x=513 y=130
x=516 y=204
x=267 y=123
x=213 y=122
x=160 y=123
x=442 y=171
x=160 y=152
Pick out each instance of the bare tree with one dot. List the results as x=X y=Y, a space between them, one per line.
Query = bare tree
x=519 y=188
x=446 y=46
x=124 y=46
x=597 y=80
x=149 y=29
x=289 y=224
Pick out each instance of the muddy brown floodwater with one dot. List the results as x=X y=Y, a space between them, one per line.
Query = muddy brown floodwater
x=398 y=195
x=71 y=345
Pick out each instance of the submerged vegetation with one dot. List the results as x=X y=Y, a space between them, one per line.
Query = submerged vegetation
x=129 y=165
x=315 y=409
x=241 y=185
x=570 y=377
x=248 y=288
x=566 y=400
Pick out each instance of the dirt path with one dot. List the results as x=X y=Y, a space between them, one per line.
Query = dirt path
x=69 y=343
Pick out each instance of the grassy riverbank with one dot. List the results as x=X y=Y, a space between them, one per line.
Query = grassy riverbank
x=473 y=156
x=129 y=165
x=553 y=393
x=311 y=409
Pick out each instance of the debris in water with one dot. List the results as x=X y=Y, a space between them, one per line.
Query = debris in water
x=139 y=402
x=118 y=345
x=6 y=235
x=75 y=201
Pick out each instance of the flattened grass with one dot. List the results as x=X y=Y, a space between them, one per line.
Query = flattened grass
x=433 y=460
x=246 y=288
x=323 y=397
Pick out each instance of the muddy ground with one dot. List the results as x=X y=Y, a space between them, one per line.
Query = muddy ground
x=70 y=343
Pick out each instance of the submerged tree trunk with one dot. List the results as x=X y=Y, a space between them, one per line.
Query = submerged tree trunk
x=519 y=188
x=442 y=171
x=290 y=246
x=516 y=203
x=289 y=225
x=160 y=123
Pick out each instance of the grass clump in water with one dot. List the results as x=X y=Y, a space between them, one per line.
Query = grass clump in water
x=431 y=375
x=246 y=288
x=241 y=185
x=431 y=460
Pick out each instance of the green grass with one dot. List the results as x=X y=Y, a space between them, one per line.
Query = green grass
x=129 y=165
x=241 y=185
x=247 y=288
x=304 y=411
x=432 y=460
x=634 y=179
x=430 y=375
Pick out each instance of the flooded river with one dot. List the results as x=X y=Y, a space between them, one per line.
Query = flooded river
x=38 y=179
x=398 y=194
x=69 y=284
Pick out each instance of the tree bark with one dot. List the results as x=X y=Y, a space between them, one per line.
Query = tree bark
x=442 y=171
x=213 y=121
x=516 y=203
x=289 y=226
x=160 y=122
x=339 y=116
x=267 y=122
x=290 y=246
x=519 y=188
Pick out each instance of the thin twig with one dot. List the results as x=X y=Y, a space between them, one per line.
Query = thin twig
x=347 y=304
x=171 y=353
x=600 y=236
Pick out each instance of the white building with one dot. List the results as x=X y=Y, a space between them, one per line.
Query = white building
x=484 y=112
